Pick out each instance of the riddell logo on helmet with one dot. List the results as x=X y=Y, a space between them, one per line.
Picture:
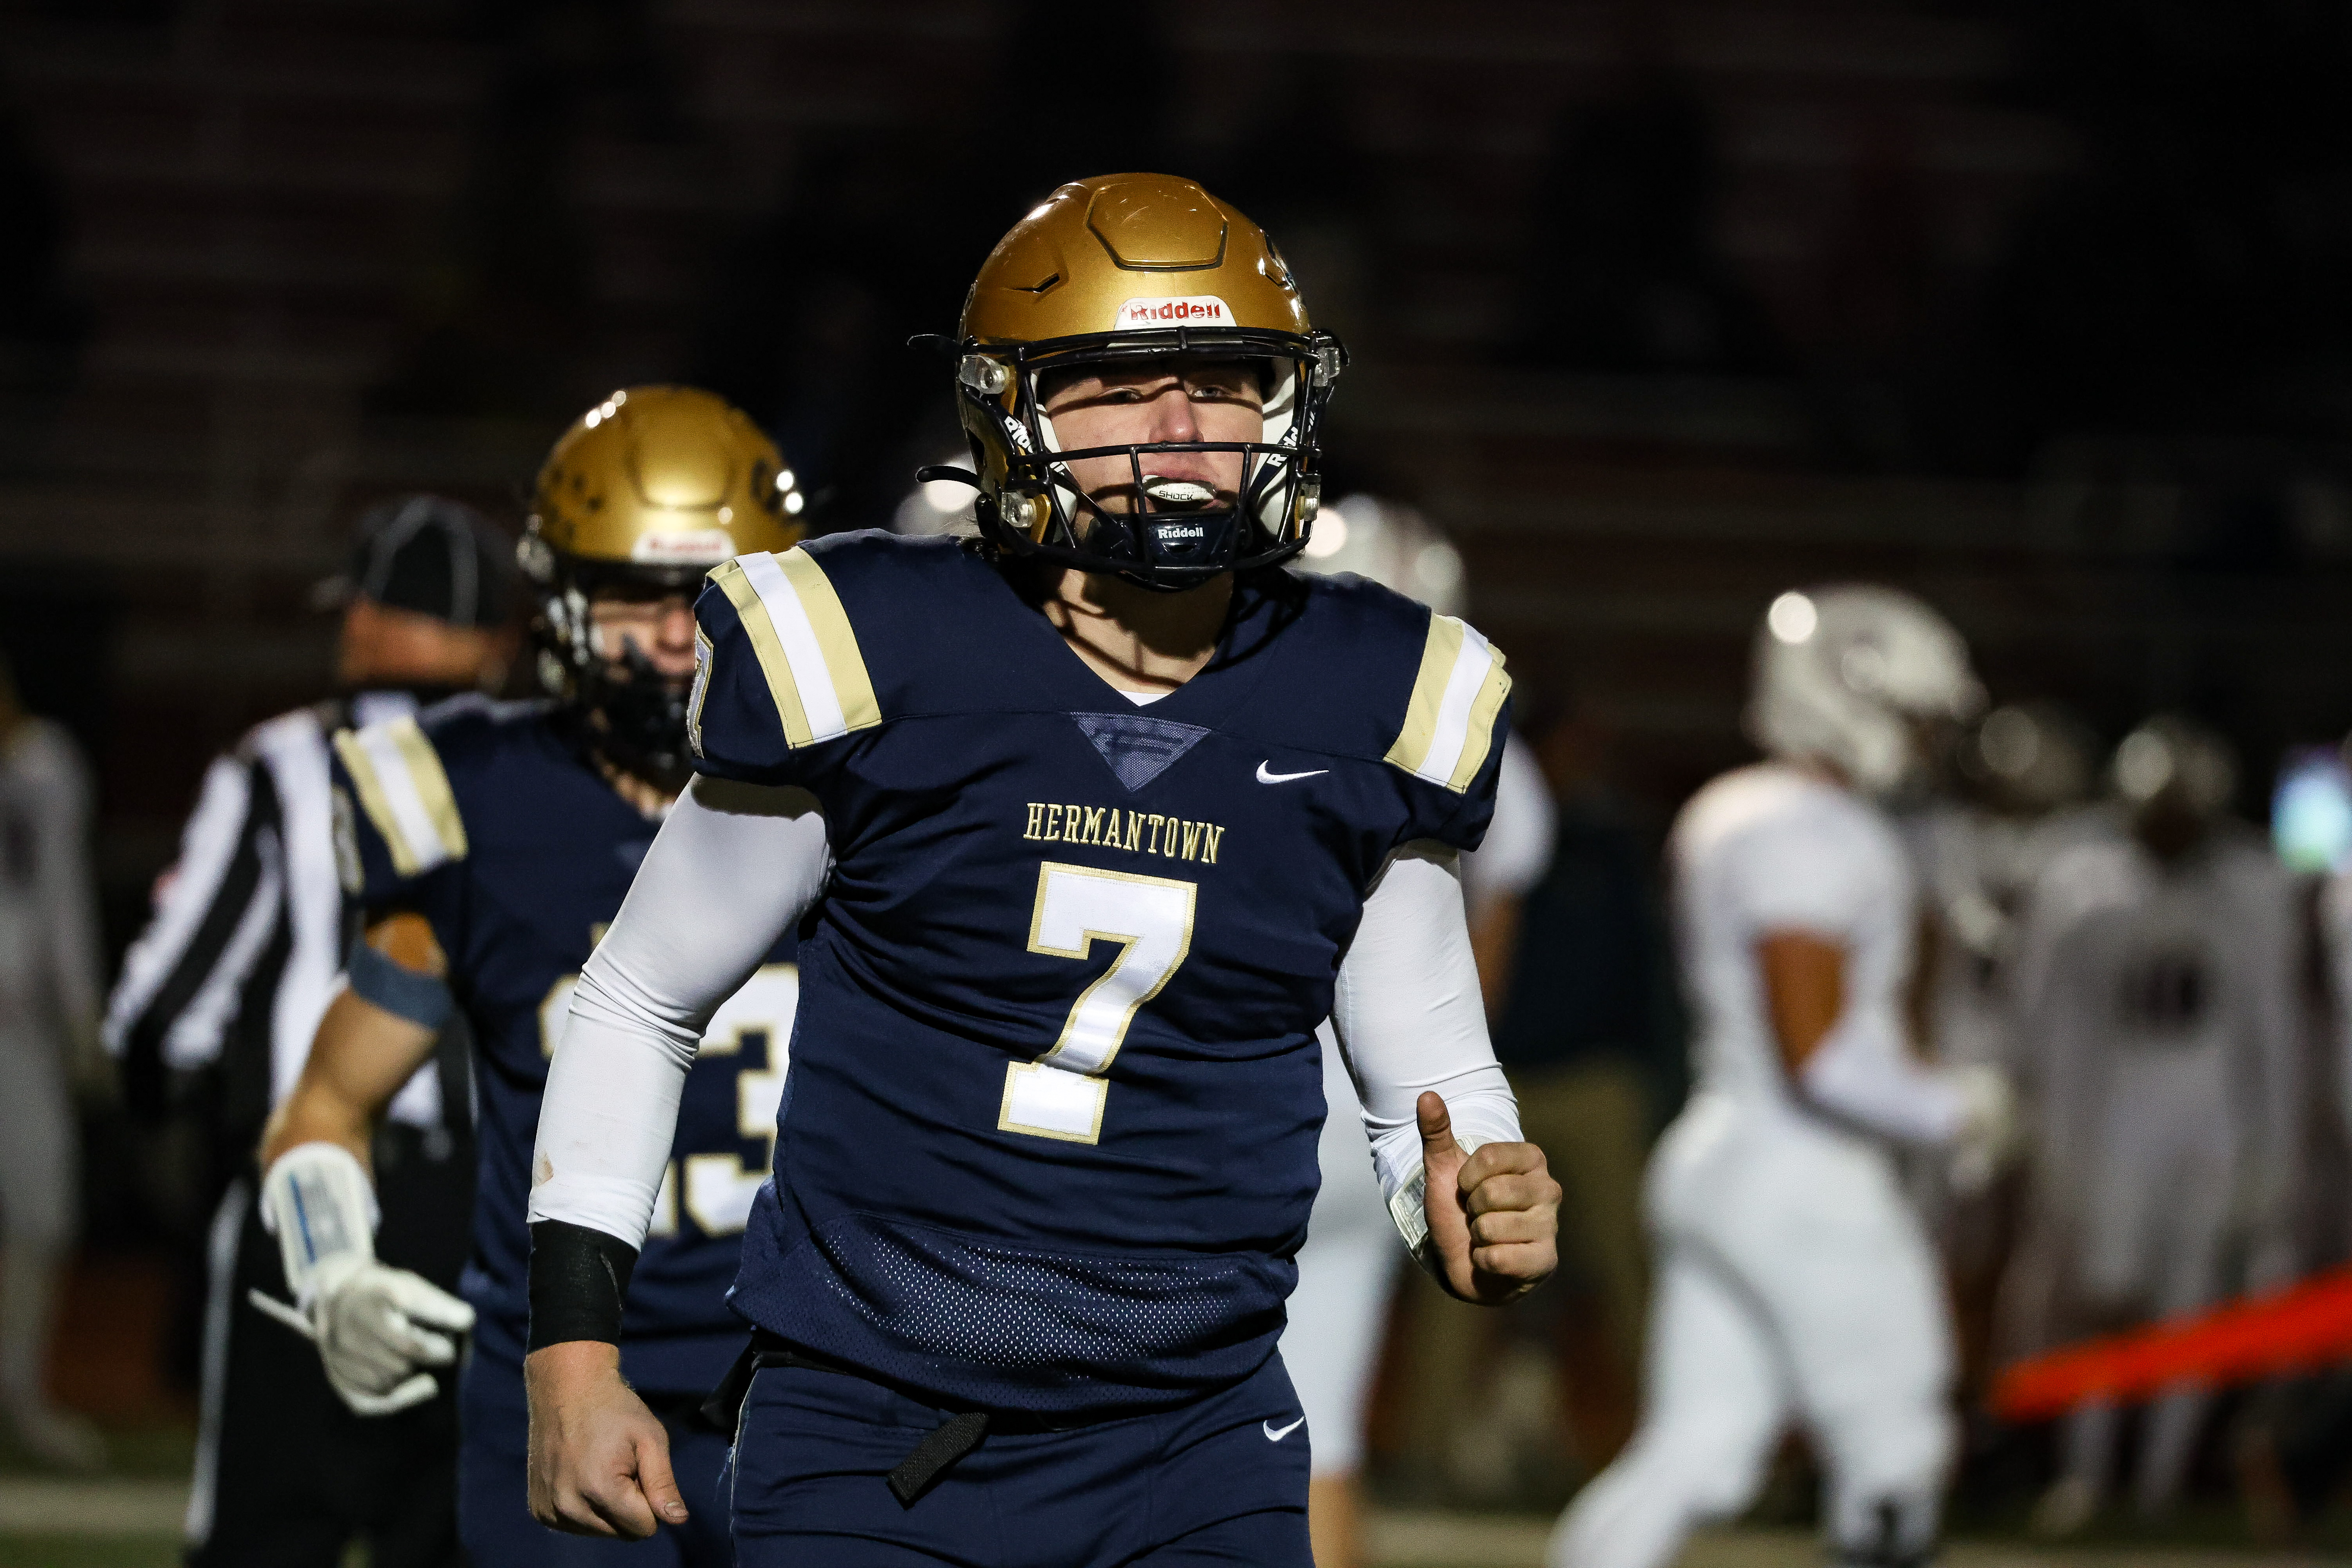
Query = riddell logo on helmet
x=1192 y=310
x=704 y=547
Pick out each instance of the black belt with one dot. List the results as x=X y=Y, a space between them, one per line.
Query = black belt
x=929 y=1459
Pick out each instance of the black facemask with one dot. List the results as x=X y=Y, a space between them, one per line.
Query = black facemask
x=638 y=718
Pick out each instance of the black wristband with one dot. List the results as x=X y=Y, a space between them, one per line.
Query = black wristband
x=578 y=1278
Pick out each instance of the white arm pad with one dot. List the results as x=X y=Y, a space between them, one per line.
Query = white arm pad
x=317 y=1200
x=733 y=865
x=1863 y=1072
x=1410 y=1018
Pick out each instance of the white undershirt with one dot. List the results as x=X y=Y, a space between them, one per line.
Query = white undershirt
x=1405 y=1006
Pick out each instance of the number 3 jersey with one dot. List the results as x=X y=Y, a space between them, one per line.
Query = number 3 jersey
x=492 y=822
x=1049 y=1141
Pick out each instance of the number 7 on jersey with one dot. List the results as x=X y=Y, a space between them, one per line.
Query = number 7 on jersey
x=1061 y=1093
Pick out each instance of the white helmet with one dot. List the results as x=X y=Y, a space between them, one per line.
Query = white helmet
x=1844 y=674
x=1390 y=543
x=2170 y=754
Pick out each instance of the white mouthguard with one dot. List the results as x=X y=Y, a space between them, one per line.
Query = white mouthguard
x=1177 y=493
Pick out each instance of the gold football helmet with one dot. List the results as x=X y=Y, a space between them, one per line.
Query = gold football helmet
x=645 y=492
x=1113 y=270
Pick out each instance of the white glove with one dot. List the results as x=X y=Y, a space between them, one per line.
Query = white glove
x=1990 y=1132
x=376 y=1326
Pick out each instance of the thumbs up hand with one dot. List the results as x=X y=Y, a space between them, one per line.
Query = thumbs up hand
x=1493 y=1216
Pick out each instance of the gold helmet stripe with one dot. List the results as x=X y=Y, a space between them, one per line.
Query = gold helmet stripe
x=406 y=793
x=805 y=644
x=1449 y=723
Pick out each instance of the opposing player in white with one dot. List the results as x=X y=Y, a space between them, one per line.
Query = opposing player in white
x=2155 y=997
x=1794 y=1284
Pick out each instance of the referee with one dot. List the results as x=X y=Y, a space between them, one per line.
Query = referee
x=217 y=1002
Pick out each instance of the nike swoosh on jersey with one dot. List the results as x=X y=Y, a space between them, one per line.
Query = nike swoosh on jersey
x=1265 y=777
x=1275 y=1434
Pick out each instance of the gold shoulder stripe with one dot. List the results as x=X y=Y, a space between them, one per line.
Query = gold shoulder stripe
x=406 y=793
x=1438 y=652
x=1449 y=720
x=805 y=646
x=737 y=584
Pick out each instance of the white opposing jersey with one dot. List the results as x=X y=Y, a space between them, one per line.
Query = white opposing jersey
x=1768 y=848
x=1976 y=869
x=2155 y=1012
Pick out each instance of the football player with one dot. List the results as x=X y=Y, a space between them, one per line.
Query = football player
x=1092 y=822
x=2155 y=996
x=489 y=846
x=48 y=1017
x=1793 y=1281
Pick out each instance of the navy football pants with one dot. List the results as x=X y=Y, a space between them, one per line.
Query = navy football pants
x=1222 y=1481
x=494 y=1491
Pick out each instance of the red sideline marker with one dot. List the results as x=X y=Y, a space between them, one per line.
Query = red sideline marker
x=2305 y=1326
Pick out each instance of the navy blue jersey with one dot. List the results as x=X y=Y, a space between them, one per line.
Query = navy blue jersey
x=1048 y=1140
x=490 y=821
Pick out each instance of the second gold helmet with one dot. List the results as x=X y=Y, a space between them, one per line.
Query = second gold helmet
x=644 y=492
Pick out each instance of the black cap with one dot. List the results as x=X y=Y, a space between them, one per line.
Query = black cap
x=431 y=556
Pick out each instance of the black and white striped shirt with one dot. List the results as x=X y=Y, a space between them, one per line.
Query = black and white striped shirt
x=246 y=945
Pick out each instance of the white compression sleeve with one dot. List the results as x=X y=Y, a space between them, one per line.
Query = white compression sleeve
x=1408 y=1016
x=1864 y=1071
x=733 y=865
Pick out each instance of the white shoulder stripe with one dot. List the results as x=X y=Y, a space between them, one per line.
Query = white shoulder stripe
x=802 y=652
x=1457 y=697
x=1462 y=687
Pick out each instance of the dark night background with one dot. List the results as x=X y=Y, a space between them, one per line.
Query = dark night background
x=2041 y=310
